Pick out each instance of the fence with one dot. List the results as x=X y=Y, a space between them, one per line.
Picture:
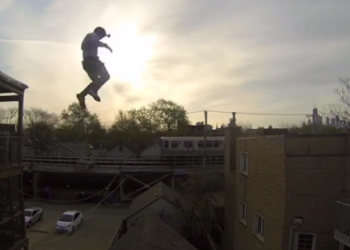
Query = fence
x=342 y=222
x=161 y=161
x=12 y=229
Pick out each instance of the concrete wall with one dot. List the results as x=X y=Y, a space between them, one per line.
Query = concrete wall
x=170 y=214
x=230 y=186
x=314 y=184
x=120 y=151
x=263 y=191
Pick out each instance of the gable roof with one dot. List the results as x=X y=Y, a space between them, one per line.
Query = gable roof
x=150 y=144
x=74 y=146
x=151 y=233
x=160 y=190
x=130 y=145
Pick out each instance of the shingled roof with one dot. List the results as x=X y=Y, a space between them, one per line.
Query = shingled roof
x=151 y=233
x=160 y=190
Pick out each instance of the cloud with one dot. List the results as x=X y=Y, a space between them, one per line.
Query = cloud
x=233 y=56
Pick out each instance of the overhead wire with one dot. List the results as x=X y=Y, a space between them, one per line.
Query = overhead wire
x=262 y=114
x=67 y=233
x=237 y=113
x=59 y=201
x=90 y=212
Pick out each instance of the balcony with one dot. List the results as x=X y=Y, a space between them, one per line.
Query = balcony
x=12 y=230
x=342 y=222
x=10 y=151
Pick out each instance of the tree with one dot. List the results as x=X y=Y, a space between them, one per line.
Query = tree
x=168 y=115
x=40 y=126
x=149 y=122
x=80 y=125
x=9 y=115
x=342 y=109
x=197 y=206
x=245 y=127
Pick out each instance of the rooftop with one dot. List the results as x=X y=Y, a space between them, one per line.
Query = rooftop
x=160 y=190
x=10 y=85
x=151 y=233
x=70 y=212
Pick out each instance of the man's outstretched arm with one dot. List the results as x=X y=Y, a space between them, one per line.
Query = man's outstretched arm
x=105 y=45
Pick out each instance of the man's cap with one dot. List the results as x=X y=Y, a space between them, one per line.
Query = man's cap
x=100 y=30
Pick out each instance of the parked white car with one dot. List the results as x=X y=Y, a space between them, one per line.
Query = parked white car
x=32 y=215
x=69 y=221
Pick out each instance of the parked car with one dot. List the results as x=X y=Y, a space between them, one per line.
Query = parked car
x=69 y=221
x=32 y=215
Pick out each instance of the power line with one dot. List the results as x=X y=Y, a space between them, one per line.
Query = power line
x=92 y=210
x=67 y=233
x=61 y=201
x=263 y=114
x=230 y=112
x=193 y=112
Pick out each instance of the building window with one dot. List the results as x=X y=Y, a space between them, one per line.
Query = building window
x=243 y=213
x=174 y=144
x=244 y=163
x=305 y=241
x=208 y=144
x=200 y=144
x=188 y=144
x=216 y=144
x=259 y=226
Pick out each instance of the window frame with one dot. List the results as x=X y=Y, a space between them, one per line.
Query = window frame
x=314 y=240
x=243 y=170
x=174 y=144
x=256 y=230
x=242 y=206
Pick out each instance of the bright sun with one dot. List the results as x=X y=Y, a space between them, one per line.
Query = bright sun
x=130 y=54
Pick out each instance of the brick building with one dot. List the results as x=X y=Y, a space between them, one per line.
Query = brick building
x=281 y=190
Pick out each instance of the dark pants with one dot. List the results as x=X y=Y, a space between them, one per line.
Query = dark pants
x=97 y=72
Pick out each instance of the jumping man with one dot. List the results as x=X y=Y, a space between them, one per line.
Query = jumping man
x=95 y=69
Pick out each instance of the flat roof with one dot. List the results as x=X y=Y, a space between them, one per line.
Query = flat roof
x=11 y=85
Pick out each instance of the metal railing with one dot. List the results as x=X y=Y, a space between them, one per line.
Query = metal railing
x=342 y=222
x=100 y=161
x=9 y=151
x=12 y=229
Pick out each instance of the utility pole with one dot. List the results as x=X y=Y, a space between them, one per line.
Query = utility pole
x=205 y=138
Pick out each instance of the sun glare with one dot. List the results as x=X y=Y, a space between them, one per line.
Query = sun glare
x=130 y=54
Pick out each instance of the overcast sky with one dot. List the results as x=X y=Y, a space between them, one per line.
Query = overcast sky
x=244 y=56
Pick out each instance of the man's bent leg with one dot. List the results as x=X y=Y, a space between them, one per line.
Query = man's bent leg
x=91 y=66
x=81 y=100
x=103 y=78
x=96 y=85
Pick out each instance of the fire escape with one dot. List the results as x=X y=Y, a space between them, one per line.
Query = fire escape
x=12 y=229
x=342 y=224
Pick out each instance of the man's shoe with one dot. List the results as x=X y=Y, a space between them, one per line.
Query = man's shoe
x=94 y=95
x=81 y=100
